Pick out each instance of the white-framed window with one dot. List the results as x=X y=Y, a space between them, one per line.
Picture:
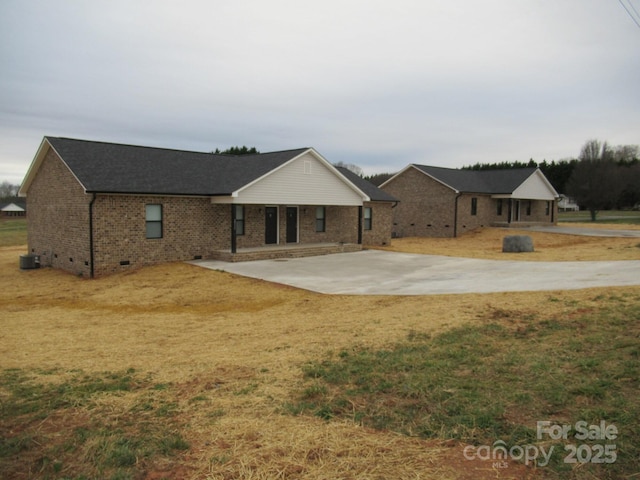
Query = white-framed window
x=368 y=218
x=153 y=220
x=321 y=222
x=239 y=214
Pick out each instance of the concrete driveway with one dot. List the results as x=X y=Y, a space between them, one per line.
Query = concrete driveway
x=375 y=272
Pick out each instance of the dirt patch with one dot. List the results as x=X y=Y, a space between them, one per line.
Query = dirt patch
x=233 y=348
x=549 y=247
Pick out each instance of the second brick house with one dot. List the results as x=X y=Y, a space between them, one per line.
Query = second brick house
x=446 y=202
x=97 y=208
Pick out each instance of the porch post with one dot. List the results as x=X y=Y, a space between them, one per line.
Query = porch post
x=360 y=225
x=233 y=229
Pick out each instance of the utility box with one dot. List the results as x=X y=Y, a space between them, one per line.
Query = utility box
x=29 y=261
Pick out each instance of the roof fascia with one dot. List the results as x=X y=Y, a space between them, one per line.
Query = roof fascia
x=546 y=182
x=34 y=167
x=318 y=157
x=335 y=171
x=438 y=180
x=45 y=145
x=397 y=174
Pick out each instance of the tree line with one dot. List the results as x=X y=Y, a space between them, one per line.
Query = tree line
x=605 y=177
x=8 y=190
x=602 y=177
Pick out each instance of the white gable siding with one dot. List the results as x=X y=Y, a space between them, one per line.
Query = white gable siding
x=534 y=188
x=303 y=181
x=12 y=207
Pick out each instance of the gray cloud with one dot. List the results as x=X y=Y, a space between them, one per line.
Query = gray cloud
x=379 y=84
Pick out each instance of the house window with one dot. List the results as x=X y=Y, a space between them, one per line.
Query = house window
x=547 y=210
x=154 y=221
x=320 y=219
x=529 y=207
x=239 y=214
x=474 y=206
x=368 y=218
x=499 y=208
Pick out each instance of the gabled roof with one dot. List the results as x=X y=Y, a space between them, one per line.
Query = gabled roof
x=373 y=192
x=493 y=182
x=17 y=201
x=102 y=167
x=11 y=207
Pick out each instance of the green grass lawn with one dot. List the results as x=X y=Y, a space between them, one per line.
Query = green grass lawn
x=494 y=382
x=605 y=216
x=13 y=232
x=110 y=447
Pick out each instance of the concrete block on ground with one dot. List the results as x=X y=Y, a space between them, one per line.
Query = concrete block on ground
x=517 y=244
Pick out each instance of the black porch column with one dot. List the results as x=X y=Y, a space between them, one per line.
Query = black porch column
x=360 y=225
x=233 y=229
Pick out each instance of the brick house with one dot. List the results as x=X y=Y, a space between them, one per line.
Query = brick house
x=14 y=208
x=445 y=202
x=97 y=208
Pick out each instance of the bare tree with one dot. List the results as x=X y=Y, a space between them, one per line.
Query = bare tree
x=350 y=166
x=594 y=182
x=8 y=189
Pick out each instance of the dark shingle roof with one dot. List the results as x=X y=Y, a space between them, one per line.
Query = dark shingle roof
x=115 y=168
x=373 y=192
x=5 y=202
x=479 y=181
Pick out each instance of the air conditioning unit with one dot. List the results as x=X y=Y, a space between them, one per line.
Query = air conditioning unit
x=29 y=262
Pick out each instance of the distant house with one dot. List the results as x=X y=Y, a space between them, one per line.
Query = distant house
x=97 y=208
x=567 y=204
x=445 y=202
x=13 y=209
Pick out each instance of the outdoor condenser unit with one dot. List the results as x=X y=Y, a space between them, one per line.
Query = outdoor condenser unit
x=30 y=261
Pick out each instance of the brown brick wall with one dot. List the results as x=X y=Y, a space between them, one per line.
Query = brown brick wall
x=426 y=208
x=191 y=227
x=381 y=224
x=485 y=212
x=58 y=220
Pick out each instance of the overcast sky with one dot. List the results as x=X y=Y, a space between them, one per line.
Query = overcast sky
x=377 y=83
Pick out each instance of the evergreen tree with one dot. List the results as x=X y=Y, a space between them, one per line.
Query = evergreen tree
x=237 y=151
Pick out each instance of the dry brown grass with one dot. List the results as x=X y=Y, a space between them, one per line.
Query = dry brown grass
x=549 y=247
x=240 y=343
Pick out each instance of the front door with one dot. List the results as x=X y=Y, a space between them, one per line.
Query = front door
x=516 y=211
x=292 y=224
x=270 y=225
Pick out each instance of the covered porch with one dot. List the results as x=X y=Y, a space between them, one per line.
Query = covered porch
x=521 y=212
x=284 y=251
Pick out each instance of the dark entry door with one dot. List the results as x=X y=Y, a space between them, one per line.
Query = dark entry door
x=270 y=225
x=292 y=224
